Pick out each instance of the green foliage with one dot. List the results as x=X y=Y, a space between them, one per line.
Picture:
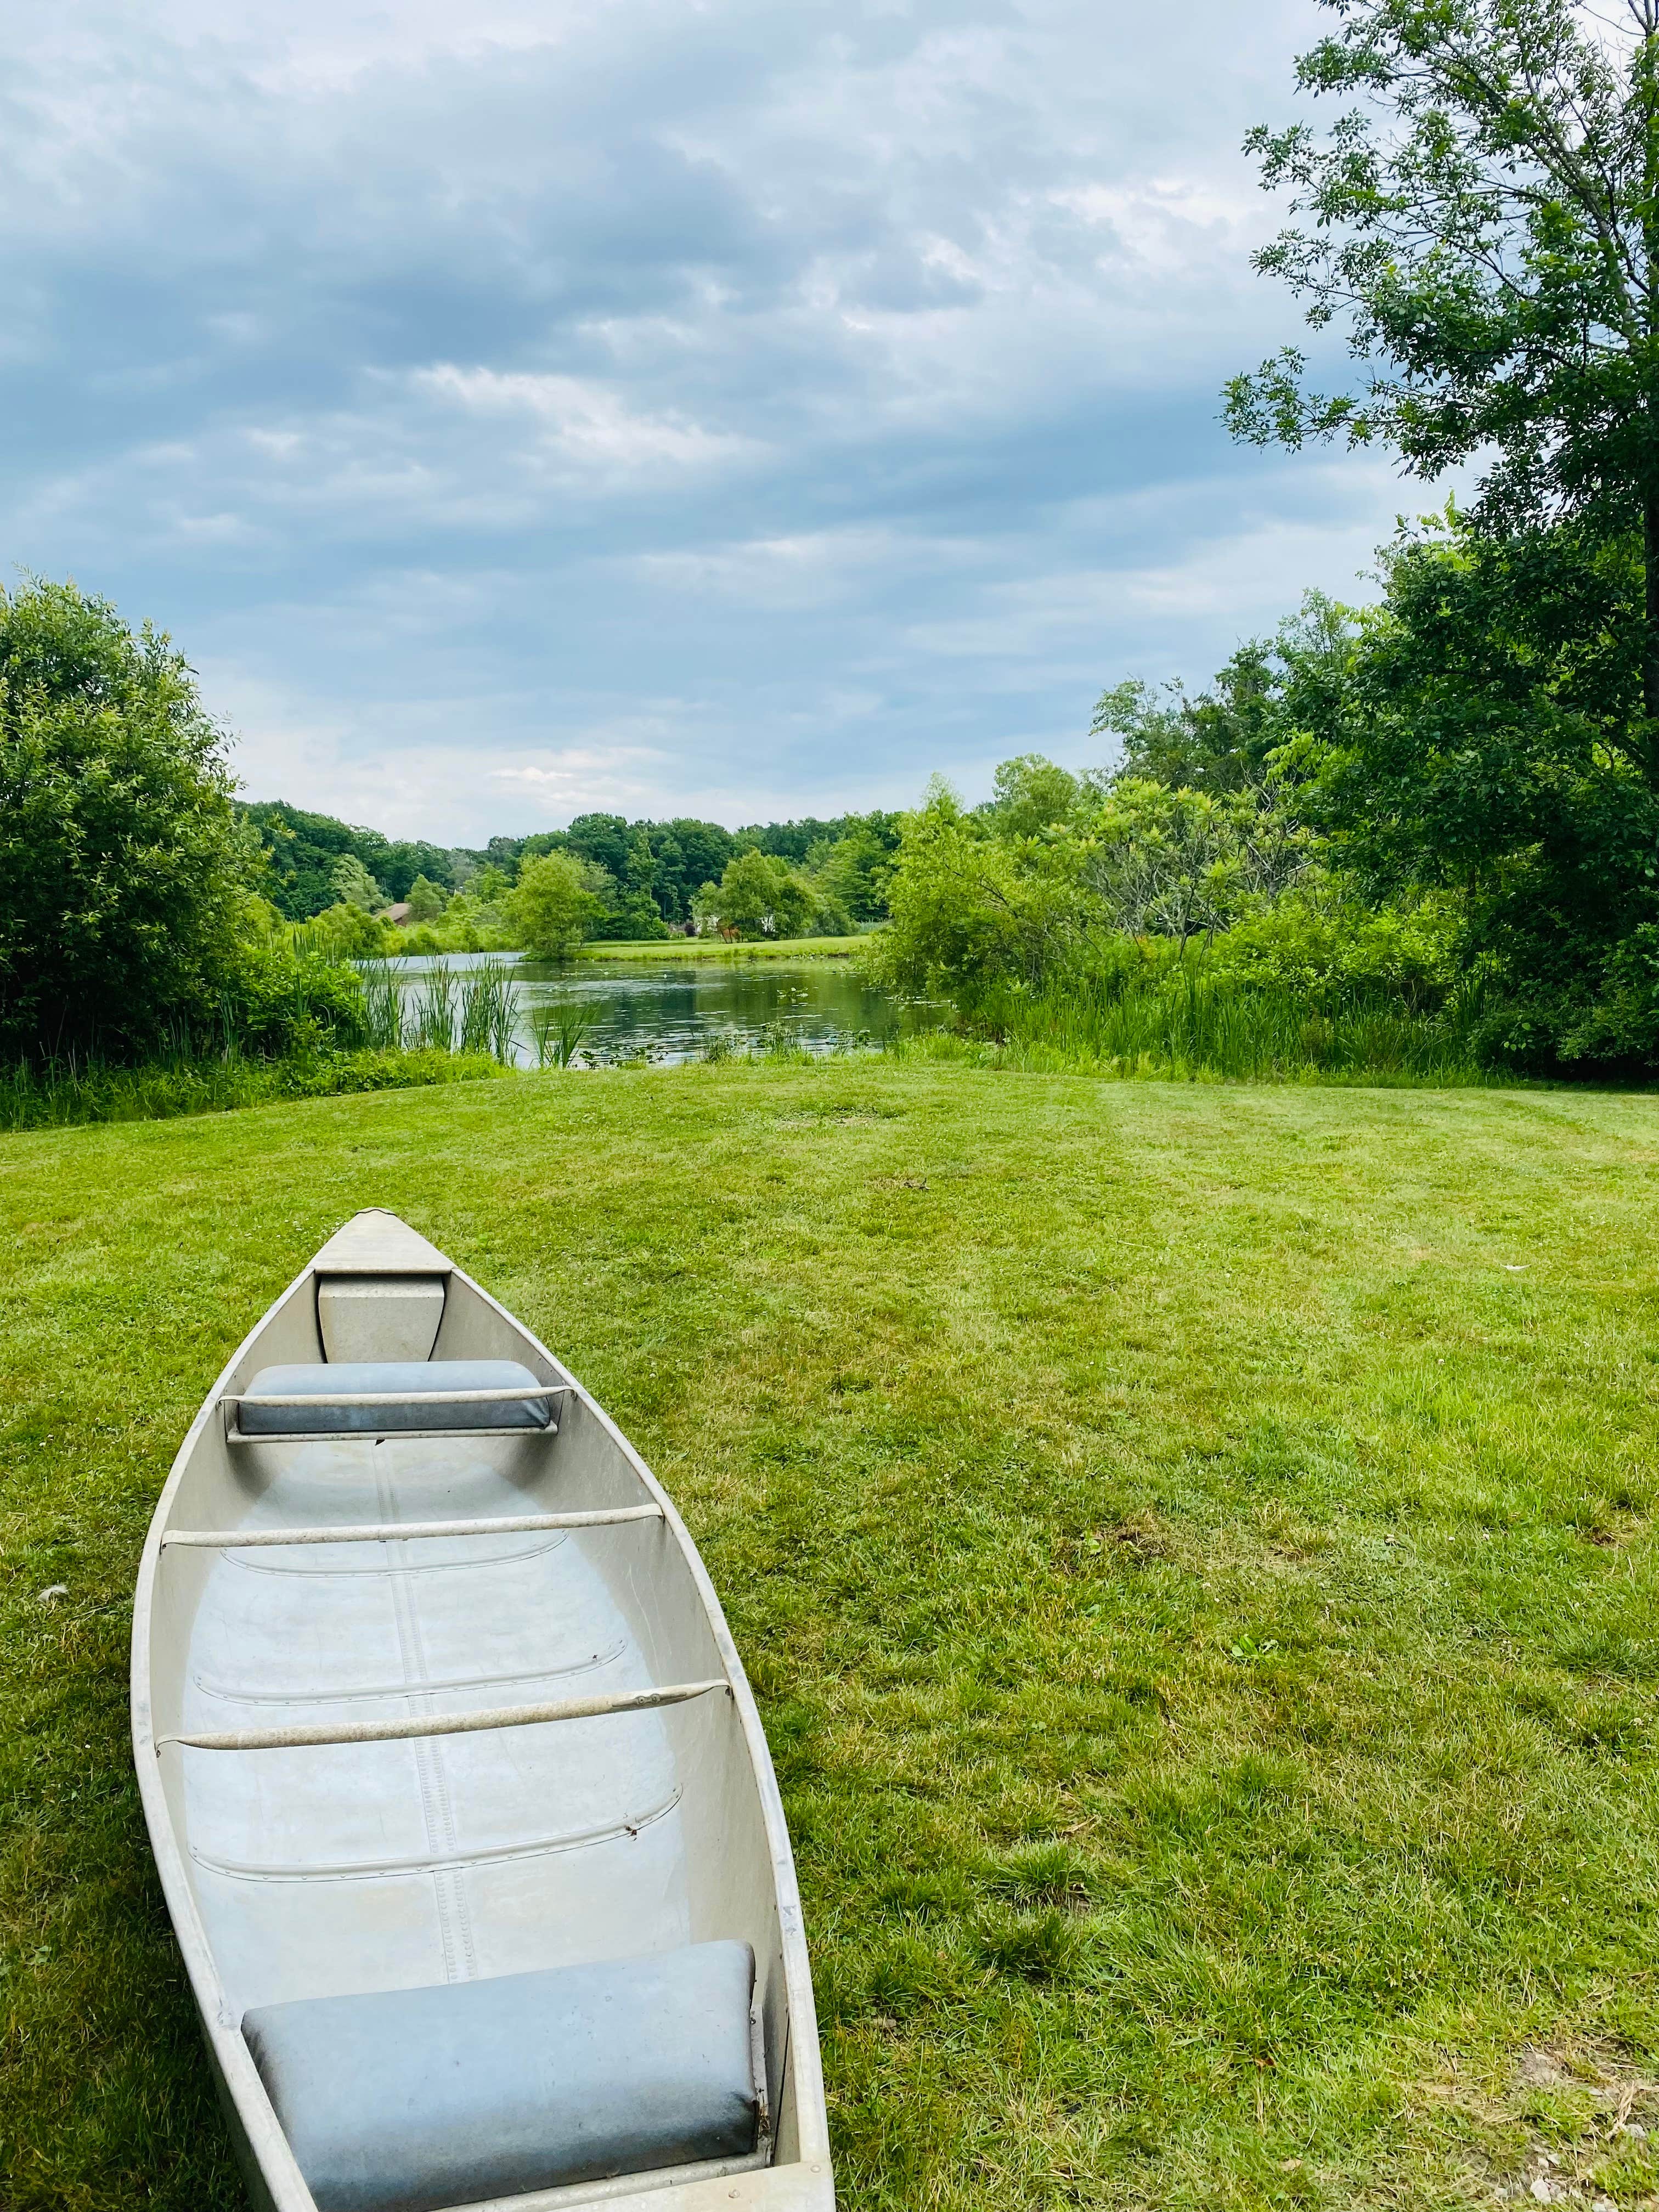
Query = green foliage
x=1184 y=863
x=354 y=886
x=760 y=895
x=304 y=850
x=465 y=924
x=983 y=899
x=1483 y=214
x=970 y=909
x=347 y=932
x=279 y=1001
x=1033 y=794
x=552 y=908
x=654 y=873
x=1492 y=744
x=1330 y=951
x=1226 y=740
x=849 y=874
x=426 y=900
x=123 y=876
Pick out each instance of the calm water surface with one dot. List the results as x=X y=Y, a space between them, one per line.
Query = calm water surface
x=671 y=1012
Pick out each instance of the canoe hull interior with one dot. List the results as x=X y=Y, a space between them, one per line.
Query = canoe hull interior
x=416 y=1861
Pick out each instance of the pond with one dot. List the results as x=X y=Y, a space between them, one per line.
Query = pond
x=668 y=1010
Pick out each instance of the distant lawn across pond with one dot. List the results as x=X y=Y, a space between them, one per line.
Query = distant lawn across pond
x=1193 y=1544
x=716 y=948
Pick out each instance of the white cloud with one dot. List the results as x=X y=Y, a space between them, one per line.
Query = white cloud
x=745 y=405
x=582 y=420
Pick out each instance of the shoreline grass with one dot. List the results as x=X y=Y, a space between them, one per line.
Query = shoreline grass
x=715 y=948
x=1184 y=1022
x=35 y=1098
x=1042 y=1055
x=1193 y=1544
x=672 y=949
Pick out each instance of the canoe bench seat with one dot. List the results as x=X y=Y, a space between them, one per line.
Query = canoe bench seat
x=412 y=1385
x=414 y=2100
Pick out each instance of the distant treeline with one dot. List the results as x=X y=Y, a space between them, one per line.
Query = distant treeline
x=657 y=868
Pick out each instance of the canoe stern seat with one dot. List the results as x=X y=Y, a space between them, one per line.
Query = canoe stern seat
x=411 y=2100
x=414 y=1387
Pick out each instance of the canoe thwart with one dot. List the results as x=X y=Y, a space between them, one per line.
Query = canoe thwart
x=374 y=1435
x=491 y=1716
x=387 y=1531
x=360 y=1397
x=284 y=1400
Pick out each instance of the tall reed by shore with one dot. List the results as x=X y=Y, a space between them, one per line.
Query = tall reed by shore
x=454 y=1028
x=1187 y=1023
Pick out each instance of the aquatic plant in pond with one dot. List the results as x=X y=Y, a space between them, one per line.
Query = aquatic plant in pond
x=488 y=1011
x=431 y=1012
x=469 y=1010
x=382 y=1005
x=557 y=1031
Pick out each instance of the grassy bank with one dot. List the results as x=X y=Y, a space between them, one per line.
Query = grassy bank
x=1193 y=1547
x=1187 y=1020
x=715 y=948
x=34 y=1098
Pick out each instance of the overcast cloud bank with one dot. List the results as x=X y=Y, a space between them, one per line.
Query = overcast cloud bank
x=746 y=407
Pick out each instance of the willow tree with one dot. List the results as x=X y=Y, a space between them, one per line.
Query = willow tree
x=1484 y=215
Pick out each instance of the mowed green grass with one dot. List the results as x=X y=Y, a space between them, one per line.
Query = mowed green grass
x=672 y=949
x=1193 y=1546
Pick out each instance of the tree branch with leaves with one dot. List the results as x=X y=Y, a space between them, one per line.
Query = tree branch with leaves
x=1484 y=215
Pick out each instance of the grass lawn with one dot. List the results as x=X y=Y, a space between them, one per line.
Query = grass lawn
x=1193 y=1545
x=716 y=948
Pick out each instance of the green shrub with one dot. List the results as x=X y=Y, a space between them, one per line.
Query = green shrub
x=123 y=872
x=276 y=1001
x=551 y=908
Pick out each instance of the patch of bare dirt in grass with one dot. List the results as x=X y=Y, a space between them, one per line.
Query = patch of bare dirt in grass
x=1136 y=1540
x=1574 y=2125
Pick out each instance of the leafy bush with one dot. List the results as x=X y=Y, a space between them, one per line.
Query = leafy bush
x=124 y=873
x=552 y=908
x=986 y=898
x=970 y=909
x=276 y=1001
x=1490 y=747
x=760 y=895
x=1328 y=948
x=426 y=900
x=346 y=932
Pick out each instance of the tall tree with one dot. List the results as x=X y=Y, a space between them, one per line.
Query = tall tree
x=1487 y=218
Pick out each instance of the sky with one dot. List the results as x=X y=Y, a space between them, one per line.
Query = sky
x=739 y=408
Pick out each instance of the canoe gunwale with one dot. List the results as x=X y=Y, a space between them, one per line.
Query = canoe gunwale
x=269 y=2164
